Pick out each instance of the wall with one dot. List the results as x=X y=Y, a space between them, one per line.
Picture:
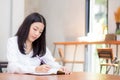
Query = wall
x=4 y=26
x=10 y=19
x=113 y=6
x=17 y=15
x=65 y=18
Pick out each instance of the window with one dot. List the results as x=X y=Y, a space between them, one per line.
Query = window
x=97 y=17
x=96 y=25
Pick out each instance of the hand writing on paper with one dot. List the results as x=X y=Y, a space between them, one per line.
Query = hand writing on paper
x=43 y=68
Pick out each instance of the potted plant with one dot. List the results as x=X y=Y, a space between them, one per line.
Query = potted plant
x=117 y=20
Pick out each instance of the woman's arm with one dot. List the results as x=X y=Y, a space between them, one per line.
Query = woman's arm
x=48 y=59
x=14 y=66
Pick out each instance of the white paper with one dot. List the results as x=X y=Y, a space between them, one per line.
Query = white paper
x=51 y=71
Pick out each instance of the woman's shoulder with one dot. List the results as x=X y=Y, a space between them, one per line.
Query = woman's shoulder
x=14 y=38
x=47 y=49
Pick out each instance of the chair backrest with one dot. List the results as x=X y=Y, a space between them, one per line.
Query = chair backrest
x=3 y=64
x=110 y=37
x=105 y=53
x=61 y=53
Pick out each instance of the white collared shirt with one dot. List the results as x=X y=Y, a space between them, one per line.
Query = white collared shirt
x=20 y=63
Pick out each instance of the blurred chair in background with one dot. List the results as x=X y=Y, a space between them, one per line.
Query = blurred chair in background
x=3 y=64
x=110 y=37
x=107 y=59
x=64 y=60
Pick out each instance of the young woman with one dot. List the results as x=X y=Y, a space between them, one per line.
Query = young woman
x=27 y=51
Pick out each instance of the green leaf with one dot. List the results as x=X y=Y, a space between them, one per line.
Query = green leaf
x=118 y=31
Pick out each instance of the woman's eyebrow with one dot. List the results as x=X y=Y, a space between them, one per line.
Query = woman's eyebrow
x=41 y=30
x=37 y=27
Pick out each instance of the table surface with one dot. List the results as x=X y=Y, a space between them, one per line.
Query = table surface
x=86 y=42
x=73 y=76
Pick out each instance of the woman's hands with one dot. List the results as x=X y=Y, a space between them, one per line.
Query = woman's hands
x=64 y=69
x=43 y=68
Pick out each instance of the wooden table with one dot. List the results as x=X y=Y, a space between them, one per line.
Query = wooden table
x=73 y=76
x=85 y=43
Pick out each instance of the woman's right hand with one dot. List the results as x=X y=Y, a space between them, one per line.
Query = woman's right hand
x=43 y=68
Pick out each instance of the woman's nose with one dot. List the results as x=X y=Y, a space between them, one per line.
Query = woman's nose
x=37 y=33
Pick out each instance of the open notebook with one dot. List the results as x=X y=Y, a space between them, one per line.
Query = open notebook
x=50 y=72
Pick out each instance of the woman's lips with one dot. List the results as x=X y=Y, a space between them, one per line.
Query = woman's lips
x=34 y=37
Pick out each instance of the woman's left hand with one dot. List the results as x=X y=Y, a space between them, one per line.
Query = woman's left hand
x=64 y=69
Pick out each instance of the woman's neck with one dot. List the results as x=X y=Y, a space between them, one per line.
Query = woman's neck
x=28 y=47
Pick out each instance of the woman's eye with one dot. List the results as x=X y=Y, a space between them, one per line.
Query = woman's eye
x=34 y=29
x=40 y=32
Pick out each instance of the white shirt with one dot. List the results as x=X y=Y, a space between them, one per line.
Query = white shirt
x=20 y=63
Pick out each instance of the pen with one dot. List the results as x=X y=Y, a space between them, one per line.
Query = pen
x=42 y=62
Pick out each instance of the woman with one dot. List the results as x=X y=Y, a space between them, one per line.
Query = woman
x=27 y=51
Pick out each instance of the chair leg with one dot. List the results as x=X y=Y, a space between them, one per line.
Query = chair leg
x=0 y=69
x=117 y=68
x=100 y=69
x=108 y=69
x=72 y=66
x=115 y=72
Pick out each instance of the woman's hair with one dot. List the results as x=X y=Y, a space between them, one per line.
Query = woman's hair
x=39 y=45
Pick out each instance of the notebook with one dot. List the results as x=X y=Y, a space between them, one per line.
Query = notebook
x=50 y=72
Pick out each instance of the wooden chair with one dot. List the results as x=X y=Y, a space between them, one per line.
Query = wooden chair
x=110 y=37
x=108 y=60
x=3 y=64
x=64 y=61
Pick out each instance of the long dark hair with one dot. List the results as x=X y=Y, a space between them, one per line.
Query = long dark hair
x=39 y=45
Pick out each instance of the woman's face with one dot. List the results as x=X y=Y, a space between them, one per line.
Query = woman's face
x=36 y=30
